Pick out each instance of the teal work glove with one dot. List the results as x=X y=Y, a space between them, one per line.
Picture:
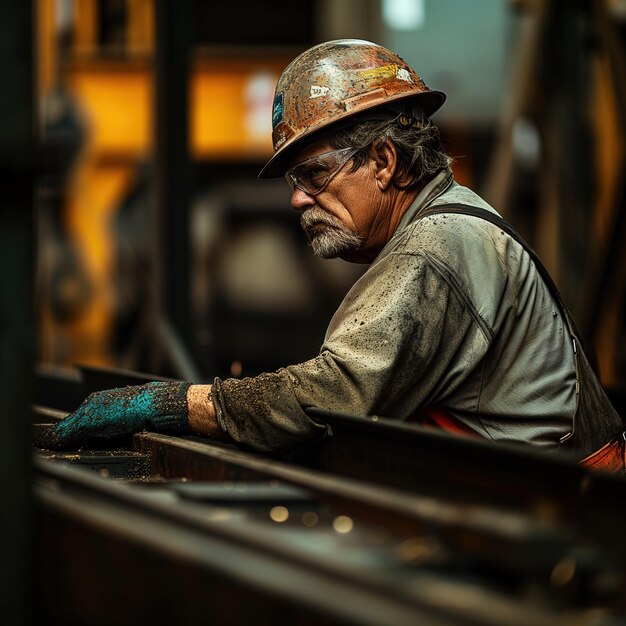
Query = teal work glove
x=159 y=406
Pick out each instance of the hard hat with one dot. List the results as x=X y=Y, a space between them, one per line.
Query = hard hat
x=346 y=80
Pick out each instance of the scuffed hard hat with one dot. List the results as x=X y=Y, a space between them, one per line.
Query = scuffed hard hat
x=341 y=81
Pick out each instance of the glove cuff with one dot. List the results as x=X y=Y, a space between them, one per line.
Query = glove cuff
x=170 y=402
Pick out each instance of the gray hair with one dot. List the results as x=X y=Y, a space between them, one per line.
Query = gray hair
x=419 y=149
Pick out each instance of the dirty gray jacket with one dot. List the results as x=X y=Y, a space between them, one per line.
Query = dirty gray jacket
x=452 y=313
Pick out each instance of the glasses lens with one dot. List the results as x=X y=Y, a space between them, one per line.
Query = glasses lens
x=315 y=173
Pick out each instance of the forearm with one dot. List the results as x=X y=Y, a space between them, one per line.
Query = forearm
x=263 y=412
x=202 y=417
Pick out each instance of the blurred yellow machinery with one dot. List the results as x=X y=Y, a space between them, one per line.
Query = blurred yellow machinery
x=112 y=94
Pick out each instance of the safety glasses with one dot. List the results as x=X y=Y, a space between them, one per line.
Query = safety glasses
x=312 y=175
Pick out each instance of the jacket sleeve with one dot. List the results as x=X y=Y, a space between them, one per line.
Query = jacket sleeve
x=403 y=337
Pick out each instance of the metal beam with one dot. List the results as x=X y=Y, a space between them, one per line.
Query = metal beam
x=17 y=171
x=172 y=183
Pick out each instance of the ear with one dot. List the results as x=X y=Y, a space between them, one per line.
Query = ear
x=385 y=160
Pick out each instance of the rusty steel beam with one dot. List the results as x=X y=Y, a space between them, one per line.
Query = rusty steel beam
x=435 y=503
x=524 y=549
x=136 y=558
x=413 y=458
x=360 y=577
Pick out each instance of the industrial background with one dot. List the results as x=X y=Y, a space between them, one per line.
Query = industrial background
x=135 y=236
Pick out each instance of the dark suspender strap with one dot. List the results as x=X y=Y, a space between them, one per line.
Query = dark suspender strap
x=498 y=221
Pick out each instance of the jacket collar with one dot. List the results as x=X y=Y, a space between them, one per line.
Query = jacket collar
x=433 y=189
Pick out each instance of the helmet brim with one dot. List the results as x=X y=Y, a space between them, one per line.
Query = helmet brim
x=429 y=102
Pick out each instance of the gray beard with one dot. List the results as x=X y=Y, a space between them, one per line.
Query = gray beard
x=328 y=237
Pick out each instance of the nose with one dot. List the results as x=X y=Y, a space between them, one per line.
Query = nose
x=300 y=200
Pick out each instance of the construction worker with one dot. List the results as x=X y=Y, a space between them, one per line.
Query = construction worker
x=455 y=324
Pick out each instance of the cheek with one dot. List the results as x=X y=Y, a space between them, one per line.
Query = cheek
x=340 y=207
x=352 y=204
x=360 y=207
x=364 y=195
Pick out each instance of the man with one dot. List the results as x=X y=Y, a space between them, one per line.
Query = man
x=453 y=324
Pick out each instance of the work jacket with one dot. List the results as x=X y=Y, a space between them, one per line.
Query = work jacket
x=453 y=314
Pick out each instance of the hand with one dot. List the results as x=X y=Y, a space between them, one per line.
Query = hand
x=160 y=406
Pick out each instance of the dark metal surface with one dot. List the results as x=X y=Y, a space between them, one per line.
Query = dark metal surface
x=500 y=551
x=20 y=163
x=136 y=558
x=114 y=464
x=413 y=458
x=440 y=530
x=174 y=28
x=369 y=576
x=522 y=547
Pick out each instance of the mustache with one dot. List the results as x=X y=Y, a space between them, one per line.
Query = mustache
x=333 y=239
x=315 y=215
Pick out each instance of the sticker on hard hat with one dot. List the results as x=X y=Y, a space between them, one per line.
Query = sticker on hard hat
x=376 y=73
x=403 y=74
x=279 y=141
x=317 y=91
x=277 y=109
x=386 y=72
